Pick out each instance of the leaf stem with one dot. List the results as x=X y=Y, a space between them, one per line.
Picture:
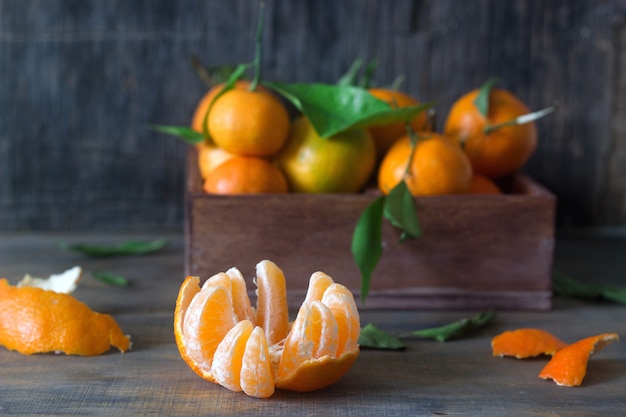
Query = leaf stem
x=257 y=48
x=520 y=120
x=202 y=71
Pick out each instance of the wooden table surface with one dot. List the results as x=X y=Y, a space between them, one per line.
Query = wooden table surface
x=456 y=378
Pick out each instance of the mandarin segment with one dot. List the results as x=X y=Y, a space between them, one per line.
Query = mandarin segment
x=228 y=356
x=257 y=375
x=34 y=320
x=272 y=309
x=526 y=343
x=208 y=318
x=241 y=301
x=325 y=331
x=299 y=345
x=568 y=366
x=341 y=302
x=318 y=283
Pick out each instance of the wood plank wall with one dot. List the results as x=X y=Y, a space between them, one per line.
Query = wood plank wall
x=80 y=80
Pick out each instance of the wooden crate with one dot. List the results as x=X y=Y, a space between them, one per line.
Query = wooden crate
x=476 y=252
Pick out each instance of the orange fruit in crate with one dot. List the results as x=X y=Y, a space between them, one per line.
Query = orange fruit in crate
x=34 y=320
x=483 y=185
x=437 y=166
x=245 y=175
x=568 y=366
x=200 y=112
x=385 y=135
x=492 y=153
x=342 y=163
x=225 y=341
x=250 y=123
x=209 y=157
x=526 y=343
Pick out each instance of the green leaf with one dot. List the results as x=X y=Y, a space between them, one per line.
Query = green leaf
x=567 y=286
x=482 y=99
x=182 y=132
x=111 y=278
x=130 y=247
x=335 y=108
x=455 y=330
x=367 y=242
x=373 y=338
x=400 y=211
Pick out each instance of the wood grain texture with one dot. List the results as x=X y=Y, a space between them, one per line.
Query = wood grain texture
x=80 y=81
x=456 y=378
x=489 y=252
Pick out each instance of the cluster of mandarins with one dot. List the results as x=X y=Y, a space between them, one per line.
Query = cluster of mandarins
x=252 y=146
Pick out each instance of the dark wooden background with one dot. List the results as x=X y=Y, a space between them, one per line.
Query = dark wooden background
x=80 y=80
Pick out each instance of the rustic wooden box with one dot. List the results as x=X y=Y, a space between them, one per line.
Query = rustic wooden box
x=476 y=252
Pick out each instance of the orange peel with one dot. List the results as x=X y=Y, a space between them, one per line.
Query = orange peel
x=526 y=343
x=35 y=320
x=568 y=366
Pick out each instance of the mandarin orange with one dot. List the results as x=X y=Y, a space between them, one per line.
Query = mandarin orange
x=250 y=123
x=209 y=157
x=342 y=163
x=223 y=342
x=435 y=165
x=245 y=175
x=385 y=135
x=200 y=113
x=481 y=184
x=497 y=152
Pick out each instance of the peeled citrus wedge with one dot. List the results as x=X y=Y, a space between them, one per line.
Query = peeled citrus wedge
x=568 y=366
x=226 y=341
x=35 y=320
x=526 y=343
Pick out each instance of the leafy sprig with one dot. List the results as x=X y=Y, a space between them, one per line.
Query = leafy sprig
x=129 y=247
x=374 y=338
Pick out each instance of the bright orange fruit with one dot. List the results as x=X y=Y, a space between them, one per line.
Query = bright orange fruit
x=210 y=157
x=437 y=166
x=250 y=123
x=499 y=152
x=199 y=115
x=245 y=175
x=224 y=340
x=526 y=343
x=568 y=366
x=481 y=184
x=34 y=320
x=385 y=135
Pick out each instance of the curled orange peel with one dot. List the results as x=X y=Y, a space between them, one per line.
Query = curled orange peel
x=35 y=320
x=568 y=366
x=526 y=343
